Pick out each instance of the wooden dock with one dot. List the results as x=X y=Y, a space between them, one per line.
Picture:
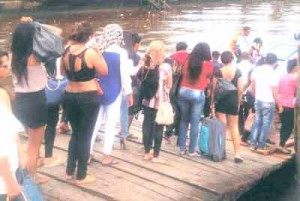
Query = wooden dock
x=183 y=178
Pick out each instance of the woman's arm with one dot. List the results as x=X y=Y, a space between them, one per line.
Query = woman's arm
x=97 y=61
x=240 y=90
x=212 y=98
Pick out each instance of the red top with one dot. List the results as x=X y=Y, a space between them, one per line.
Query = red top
x=180 y=56
x=203 y=79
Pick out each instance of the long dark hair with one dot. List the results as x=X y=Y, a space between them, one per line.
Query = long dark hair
x=200 y=53
x=22 y=48
x=128 y=44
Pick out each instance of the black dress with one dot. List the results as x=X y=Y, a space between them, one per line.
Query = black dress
x=229 y=103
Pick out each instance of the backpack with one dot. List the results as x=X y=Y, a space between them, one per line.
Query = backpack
x=223 y=88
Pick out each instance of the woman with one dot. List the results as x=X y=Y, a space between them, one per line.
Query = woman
x=10 y=126
x=81 y=102
x=286 y=95
x=191 y=98
x=227 y=107
x=130 y=45
x=29 y=78
x=115 y=84
x=161 y=83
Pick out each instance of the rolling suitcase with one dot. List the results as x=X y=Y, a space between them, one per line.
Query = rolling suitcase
x=211 y=141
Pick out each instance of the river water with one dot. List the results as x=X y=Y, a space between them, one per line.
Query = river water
x=217 y=23
x=274 y=22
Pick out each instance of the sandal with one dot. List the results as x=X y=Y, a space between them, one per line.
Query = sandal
x=284 y=150
x=68 y=177
x=90 y=159
x=245 y=143
x=148 y=157
x=194 y=154
x=52 y=161
x=89 y=178
x=238 y=160
x=110 y=163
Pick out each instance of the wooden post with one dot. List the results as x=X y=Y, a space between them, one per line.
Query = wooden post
x=297 y=122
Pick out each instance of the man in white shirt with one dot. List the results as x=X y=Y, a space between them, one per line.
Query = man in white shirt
x=265 y=83
x=243 y=42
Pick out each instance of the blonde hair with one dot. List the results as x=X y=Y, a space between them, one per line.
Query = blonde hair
x=156 y=51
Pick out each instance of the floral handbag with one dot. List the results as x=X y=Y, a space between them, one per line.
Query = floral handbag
x=165 y=113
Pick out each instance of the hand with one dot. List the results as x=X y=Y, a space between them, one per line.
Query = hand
x=280 y=109
x=26 y=19
x=141 y=63
x=130 y=100
x=13 y=189
x=208 y=93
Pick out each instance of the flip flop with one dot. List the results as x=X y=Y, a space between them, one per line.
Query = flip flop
x=88 y=179
x=111 y=163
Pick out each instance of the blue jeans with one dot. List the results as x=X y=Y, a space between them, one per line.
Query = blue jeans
x=191 y=103
x=264 y=115
x=124 y=117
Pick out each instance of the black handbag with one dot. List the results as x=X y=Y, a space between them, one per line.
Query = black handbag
x=223 y=88
x=46 y=45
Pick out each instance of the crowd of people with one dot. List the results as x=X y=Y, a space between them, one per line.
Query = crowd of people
x=105 y=74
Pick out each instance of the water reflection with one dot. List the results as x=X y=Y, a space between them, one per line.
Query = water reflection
x=214 y=23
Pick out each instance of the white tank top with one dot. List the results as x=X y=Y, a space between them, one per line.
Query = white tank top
x=37 y=78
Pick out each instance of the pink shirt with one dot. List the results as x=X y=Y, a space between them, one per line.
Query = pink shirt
x=287 y=90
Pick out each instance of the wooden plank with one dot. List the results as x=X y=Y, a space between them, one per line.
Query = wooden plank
x=136 y=162
x=59 y=190
x=183 y=178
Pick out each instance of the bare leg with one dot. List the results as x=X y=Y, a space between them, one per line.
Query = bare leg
x=35 y=139
x=234 y=131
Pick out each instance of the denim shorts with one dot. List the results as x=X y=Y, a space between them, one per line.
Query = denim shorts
x=31 y=108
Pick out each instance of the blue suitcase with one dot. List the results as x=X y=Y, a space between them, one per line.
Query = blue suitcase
x=211 y=141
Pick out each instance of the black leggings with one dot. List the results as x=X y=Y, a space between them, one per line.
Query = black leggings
x=287 y=124
x=52 y=119
x=151 y=131
x=82 y=110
